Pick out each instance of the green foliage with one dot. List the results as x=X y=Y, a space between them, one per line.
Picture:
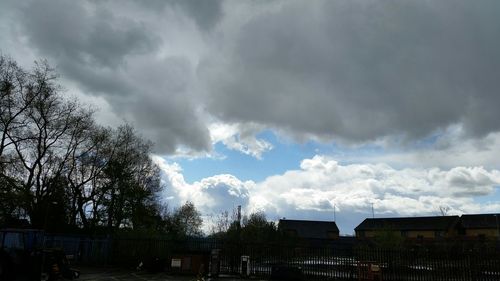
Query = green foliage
x=10 y=200
x=185 y=221
x=253 y=228
x=257 y=229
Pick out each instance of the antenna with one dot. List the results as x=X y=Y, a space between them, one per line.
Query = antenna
x=334 y=216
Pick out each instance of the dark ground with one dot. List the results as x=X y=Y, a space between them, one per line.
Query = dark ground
x=114 y=274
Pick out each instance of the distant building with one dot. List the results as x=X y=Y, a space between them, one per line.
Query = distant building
x=480 y=225
x=410 y=227
x=309 y=229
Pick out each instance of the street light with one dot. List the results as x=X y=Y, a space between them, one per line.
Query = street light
x=498 y=230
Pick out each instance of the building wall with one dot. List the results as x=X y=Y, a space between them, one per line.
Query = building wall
x=407 y=234
x=373 y=233
x=332 y=235
x=453 y=232
x=365 y=234
x=420 y=233
x=488 y=232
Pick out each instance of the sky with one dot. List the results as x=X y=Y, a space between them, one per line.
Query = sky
x=294 y=108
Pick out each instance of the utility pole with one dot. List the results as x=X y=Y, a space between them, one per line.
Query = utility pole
x=239 y=222
x=238 y=216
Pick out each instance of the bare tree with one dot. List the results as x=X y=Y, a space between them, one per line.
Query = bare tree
x=28 y=129
x=220 y=223
x=18 y=89
x=443 y=210
x=51 y=150
x=44 y=146
x=16 y=94
x=87 y=161
x=41 y=134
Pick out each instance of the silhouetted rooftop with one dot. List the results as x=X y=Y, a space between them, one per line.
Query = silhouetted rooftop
x=309 y=229
x=409 y=223
x=480 y=221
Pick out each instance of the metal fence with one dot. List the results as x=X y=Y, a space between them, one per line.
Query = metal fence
x=325 y=260
x=330 y=263
x=82 y=250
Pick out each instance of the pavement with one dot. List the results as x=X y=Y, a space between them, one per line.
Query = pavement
x=115 y=274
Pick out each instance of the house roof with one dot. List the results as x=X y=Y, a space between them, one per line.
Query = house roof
x=480 y=221
x=409 y=223
x=309 y=229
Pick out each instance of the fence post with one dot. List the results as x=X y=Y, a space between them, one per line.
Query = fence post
x=468 y=271
x=109 y=250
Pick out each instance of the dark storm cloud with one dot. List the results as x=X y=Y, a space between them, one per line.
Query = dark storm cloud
x=163 y=109
x=88 y=44
x=363 y=69
x=205 y=13
x=113 y=56
x=86 y=35
x=353 y=70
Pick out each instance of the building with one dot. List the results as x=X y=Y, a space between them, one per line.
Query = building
x=480 y=225
x=309 y=229
x=410 y=227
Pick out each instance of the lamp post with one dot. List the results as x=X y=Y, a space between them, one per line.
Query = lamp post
x=498 y=230
x=44 y=233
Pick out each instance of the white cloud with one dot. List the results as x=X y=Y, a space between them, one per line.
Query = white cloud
x=240 y=137
x=449 y=149
x=211 y=195
x=322 y=183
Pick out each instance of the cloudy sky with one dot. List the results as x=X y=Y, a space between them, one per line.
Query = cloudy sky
x=289 y=107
